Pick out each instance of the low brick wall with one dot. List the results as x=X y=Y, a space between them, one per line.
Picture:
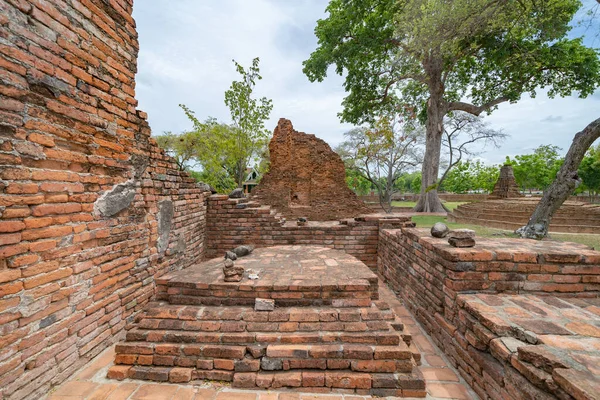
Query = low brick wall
x=232 y=222
x=429 y=275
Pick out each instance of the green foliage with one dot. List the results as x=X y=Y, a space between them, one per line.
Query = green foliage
x=589 y=171
x=357 y=183
x=223 y=152
x=248 y=116
x=538 y=169
x=468 y=176
x=409 y=182
x=393 y=52
x=206 y=146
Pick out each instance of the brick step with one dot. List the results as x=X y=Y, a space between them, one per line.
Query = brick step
x=160 y=315
x=405 y=384
x=371 y=338
x=303 y=299
x=204 y=286
x=360 y=358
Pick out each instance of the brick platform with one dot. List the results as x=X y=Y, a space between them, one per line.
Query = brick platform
x=519 y=319
x=327 y=332
x=292 y=275
x=533 y=345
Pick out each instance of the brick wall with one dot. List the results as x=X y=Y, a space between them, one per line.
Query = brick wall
x=430 y=276
x=232 y=222
x=91 y=211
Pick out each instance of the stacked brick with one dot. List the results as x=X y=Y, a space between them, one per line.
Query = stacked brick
x=430 y=276
x=233 y=222
x=72 y=274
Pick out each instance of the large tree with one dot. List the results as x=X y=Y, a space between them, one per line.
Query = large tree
x=381 y=153
x=431 y=57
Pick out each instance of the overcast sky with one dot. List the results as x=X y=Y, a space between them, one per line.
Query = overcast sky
x=186 y=48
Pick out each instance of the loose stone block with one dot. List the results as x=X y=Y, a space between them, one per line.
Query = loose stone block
x=264 y=304
x=461 y=233
x=466 y=242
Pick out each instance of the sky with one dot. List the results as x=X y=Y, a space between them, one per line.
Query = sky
x=186 y=52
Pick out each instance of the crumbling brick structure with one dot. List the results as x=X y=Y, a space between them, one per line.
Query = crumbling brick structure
x=506 y=186
x=91 y=211
x=306 y=178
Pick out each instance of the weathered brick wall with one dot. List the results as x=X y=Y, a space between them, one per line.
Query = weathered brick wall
x=232 y=222
x=74 y=266
x=429 y=275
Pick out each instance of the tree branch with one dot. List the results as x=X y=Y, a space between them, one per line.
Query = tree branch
x=473 y=109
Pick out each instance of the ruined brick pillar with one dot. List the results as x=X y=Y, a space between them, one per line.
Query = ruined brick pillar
x=91 y=210
x=306 y=178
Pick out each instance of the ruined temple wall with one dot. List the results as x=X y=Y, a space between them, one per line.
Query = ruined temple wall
x=306 y=178
x=429 y=275
x=74 y=268
x=231 y=222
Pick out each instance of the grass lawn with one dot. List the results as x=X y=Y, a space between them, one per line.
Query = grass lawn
x=451 y=205
x=426 y=221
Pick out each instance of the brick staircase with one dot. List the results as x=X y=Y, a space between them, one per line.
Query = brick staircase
x=323 y=341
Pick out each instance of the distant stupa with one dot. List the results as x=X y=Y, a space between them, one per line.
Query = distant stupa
x=506 y=187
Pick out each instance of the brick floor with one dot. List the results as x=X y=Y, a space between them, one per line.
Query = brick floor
x=90 y=383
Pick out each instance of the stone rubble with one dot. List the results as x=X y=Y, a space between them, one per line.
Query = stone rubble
x=461 y=238
x=439 y=230
x=237 y=194
x=242 y=251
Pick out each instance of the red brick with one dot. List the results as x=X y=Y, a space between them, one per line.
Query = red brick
x=11 y=226
x=180 y=375
x=118 y=372
x=347 y=380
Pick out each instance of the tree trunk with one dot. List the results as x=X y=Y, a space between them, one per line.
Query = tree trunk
x=385 y=200
x=564 y=184
x=429 y=200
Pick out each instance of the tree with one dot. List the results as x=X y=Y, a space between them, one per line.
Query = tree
x=425 y=57
x=468 y=176
x=357 y=183
x=589 y=172
x=249 y=116
x=183 y=147
x=538 y=169
x=381 y=153
x=207 y=146
x=409 y=182
x=566 y=181
x=461 y=130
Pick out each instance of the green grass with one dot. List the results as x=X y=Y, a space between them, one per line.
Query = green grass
x=451 y=205
x=427 y=221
